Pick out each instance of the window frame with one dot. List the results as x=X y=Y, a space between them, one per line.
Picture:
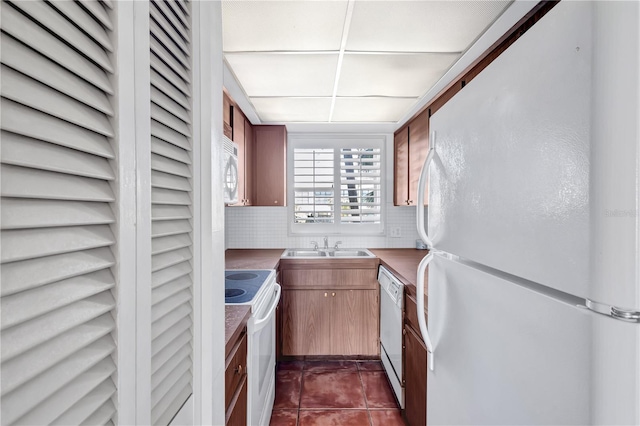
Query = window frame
x=336 y=142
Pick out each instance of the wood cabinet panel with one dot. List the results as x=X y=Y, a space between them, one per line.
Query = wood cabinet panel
x=330 y=279
x=355 y=322
x=411 y=311
x=418 y=149
x=400 y=167
x=306 y=322
x=271 y=165
x=415 y=378
x=249 y=163
x=235 y=382
x=226 y=116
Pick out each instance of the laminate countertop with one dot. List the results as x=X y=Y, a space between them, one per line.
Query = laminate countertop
x=403 y=263
x=252 y=258
x=235 y=318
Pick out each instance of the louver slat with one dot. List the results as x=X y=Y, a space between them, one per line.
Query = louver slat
x=30 y=304
x=28 y=92
x=102 y=416
x=173 y=48
x=31 y=243
x=29 y=213
x=170 y=227
x=179 y=13
x=170 y=212
x=79 y=412
x=169 y=120
x=57 y=306
x=168 y=305
x=165 y=149
x=19 y=339
x=27 y=152
x=165 y=56
x=165 y=260
x=58 y=25
x=27 y=398
x=175 y=24
x=168 y=88
x=28 y=32
x=168 y=181
x=95 y=8
x=86 y=22
x=167 y=196
x=159 y=22
x=171 y=403
x=163 y=388
x=169 y=274
x=28 y=122
x=167 y=290
x=21 y=276
x=32 y=183
x=166 y=133
x=19 y=370
x=164 y=244
x=62 y=400
x=161 y=99
x=179 y=357
x=36 y=66
x=166 y=73
x=169 y=343
x=168 y=165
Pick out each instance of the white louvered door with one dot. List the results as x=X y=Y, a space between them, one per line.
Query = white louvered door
x=58 y=202
x=171 y=209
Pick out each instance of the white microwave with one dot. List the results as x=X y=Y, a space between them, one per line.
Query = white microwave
x=230 y=168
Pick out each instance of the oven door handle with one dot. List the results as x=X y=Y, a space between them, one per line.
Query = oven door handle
x=262 y=322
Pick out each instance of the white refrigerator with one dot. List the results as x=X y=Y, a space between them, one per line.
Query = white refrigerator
x=534 y=273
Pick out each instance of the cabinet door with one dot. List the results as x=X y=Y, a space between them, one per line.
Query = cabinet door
x=354 y=322
x=237 y=416
x=306 y=322
x=271 y=165
x=248 y=163
x=415 y=374
x=238 y=137
x=418 y=149
x=401 y=167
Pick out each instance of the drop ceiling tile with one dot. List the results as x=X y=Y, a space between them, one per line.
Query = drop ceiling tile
x=269 y=74
x=404 y=74
x=280 y=110
x=420 y=26
x=363 y=110
x=282 y=25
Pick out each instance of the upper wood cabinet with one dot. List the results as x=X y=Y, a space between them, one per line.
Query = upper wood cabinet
x=226 y=116
x=243 y=136
x=270 y=165
x=411 y=145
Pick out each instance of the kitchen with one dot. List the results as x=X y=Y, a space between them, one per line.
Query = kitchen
x=114 y=225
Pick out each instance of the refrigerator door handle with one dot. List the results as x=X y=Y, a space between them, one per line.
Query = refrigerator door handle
x=420 y=307
x=422 y=182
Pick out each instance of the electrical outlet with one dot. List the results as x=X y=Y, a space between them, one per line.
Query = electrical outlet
x=395 y=232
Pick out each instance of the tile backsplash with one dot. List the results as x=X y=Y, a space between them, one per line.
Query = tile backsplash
x=267 y=227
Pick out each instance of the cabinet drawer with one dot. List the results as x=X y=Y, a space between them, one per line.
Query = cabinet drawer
x=411 y=311
x=235 y=369
x=327 y=279
x=236 y=414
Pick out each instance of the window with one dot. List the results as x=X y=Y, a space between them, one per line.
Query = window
x=336 y=185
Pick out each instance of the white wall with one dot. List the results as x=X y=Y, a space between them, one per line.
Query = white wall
x=267 y=227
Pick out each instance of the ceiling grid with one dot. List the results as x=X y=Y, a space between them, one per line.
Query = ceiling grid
x=346 y=61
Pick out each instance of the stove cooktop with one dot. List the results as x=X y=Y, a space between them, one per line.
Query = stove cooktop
x=241 y=286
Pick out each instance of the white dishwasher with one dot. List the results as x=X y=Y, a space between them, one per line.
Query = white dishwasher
x=391 y=291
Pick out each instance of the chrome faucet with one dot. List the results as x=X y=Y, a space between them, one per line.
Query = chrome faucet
x=326 y=243
x=315 y=245
x=335 y=247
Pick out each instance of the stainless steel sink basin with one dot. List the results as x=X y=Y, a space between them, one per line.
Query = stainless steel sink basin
x=324 y=253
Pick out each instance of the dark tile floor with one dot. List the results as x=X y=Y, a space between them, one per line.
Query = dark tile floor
x=319 y=393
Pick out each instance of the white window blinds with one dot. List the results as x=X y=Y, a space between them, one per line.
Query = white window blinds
x=337 y=186
x=58 y=205
x=171 y=209
x=360 y=185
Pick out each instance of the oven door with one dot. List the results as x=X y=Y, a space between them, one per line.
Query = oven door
x=261 y=365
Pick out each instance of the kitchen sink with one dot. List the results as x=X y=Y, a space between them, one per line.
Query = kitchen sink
x=324 y=253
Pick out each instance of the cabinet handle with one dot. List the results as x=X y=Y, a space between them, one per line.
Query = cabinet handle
x=325 y=294
x=275 y=202
x=409 y=202
x=239 y=369
x=333 y=294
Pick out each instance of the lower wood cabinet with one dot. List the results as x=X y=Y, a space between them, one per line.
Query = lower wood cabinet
x=330 y=322
x=235 y=383
x=330 y=308
x=415 y=366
